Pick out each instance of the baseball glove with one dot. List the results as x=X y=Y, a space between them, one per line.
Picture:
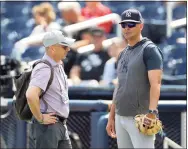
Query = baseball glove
x=148 y=125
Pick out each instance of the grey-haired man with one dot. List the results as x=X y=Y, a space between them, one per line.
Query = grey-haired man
x=139 y=73
x=50 y=117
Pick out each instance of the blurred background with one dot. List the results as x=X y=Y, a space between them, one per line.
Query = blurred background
x=91 y=63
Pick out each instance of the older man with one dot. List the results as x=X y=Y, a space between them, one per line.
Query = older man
x=50 y=114
x=71 y=14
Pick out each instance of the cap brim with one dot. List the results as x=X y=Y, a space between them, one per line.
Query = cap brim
x=129 y=21
x=67 y=41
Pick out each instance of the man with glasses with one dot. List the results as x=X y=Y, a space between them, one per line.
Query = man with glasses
x=50 y=114
x=139 y=72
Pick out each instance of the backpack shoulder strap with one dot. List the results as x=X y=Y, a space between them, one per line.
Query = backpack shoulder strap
x=51 y=76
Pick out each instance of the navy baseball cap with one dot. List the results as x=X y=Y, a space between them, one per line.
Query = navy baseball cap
x=131 y=15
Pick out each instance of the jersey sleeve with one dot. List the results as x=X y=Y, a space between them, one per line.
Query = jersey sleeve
x=153 y=58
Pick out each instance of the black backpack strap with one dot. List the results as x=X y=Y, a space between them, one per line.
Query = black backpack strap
x=51 y=76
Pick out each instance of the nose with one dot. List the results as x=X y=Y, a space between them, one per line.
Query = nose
x=126 y=28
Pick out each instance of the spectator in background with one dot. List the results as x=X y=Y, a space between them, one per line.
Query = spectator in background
x=109 y=74
x=90 y=65
x=95 y=9
x=70 y=59
x=71 y=14
x=44 y=16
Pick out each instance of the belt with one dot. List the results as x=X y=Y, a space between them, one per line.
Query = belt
x=61 y=119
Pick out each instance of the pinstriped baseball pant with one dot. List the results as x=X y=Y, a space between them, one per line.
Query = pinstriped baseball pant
x=128 y=136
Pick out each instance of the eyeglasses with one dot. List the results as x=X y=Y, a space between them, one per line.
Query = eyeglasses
x=64 y=47
x=129 y=25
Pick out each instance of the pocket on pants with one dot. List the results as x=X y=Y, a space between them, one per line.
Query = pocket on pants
x=40 y=129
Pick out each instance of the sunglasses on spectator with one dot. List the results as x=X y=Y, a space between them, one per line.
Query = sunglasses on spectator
x=129 y=25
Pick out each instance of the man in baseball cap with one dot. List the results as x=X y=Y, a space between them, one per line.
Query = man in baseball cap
x=131 y=15
x=131 y=23
x=141 y=62
x=57 y=37
x=53 y=110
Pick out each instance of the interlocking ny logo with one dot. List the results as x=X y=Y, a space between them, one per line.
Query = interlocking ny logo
x=128 y=14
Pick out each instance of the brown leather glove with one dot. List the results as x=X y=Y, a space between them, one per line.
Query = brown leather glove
x=148 y=124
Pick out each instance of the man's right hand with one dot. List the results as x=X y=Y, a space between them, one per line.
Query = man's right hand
x=110 y=128
x=49 y=118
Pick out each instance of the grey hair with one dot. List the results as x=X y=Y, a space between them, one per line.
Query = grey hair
x=71 y=5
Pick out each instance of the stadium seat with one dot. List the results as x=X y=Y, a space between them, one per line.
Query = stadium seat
x=33 y=53
x=179 y=51
x=4 y=22
x=6 y=48
x=146 y=3
x=151 y=10
x=18 y=25
x=181 y=68
x=155 y=12
x=174 y=58
x=177 y=34
x=30 y=23
x=7 y=41
x=179 y=12
x=17 y=9
x=119 y=6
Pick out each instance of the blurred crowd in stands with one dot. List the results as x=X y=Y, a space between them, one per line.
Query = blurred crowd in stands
x=96 y=65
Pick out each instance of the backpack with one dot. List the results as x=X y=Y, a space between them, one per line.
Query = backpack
x=21 y=83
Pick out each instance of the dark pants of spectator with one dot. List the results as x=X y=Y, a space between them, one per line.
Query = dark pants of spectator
x=51 y=136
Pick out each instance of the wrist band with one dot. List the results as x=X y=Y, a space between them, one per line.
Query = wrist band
x=41 y=120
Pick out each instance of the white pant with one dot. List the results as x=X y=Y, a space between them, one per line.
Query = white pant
x=128 y=136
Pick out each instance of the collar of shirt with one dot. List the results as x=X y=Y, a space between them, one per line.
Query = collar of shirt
x=52 y=62
x=144 y=39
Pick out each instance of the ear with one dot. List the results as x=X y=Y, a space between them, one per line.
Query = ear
x=141 y=26
x=52 y=49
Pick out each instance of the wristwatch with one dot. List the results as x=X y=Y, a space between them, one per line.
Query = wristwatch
x=153 y=112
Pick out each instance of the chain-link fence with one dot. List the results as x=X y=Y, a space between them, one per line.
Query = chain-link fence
x=8 y=130
x=80 y=123
x=172 y=129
